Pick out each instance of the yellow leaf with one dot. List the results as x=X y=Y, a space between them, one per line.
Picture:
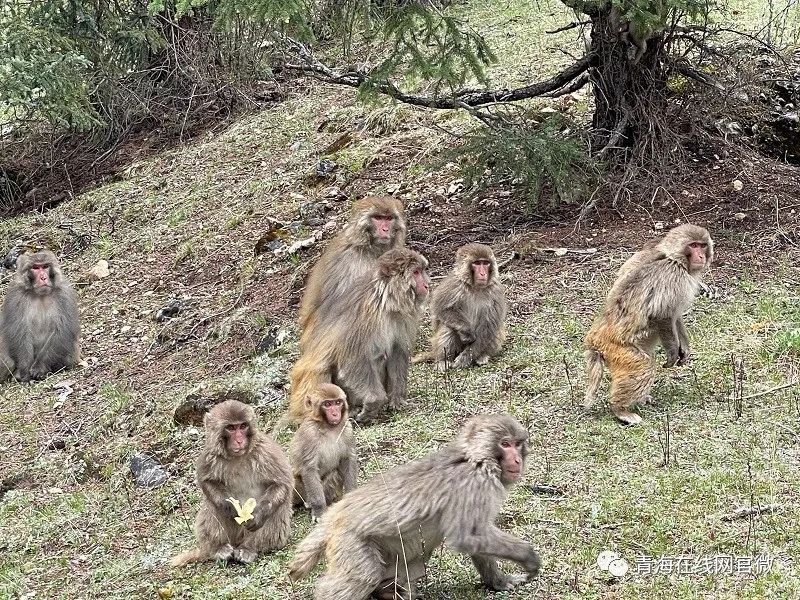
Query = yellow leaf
x=245 y=512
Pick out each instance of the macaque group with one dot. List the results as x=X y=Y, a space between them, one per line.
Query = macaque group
x=360 y=317
x=644 y=309
x=39 y=323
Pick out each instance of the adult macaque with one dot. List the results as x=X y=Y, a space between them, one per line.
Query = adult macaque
x=468 y=311
x=377 y=224
x=39 y=324
x=239 y=462
x=323 y=451
x=377 y=539
x=644 y=308
x=363 y=342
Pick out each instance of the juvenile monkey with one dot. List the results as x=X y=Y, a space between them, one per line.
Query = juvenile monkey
x=377 y=539
x=323 y=451
x=377 y=224
x=39 y=323
x=363 y=343
x=468 y=311
x=645 y=307
x=239 y=462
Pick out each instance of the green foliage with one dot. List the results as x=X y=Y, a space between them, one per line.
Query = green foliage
x=533 y=154
x=433 y=46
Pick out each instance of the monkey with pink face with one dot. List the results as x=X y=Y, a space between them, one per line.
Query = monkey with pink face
x=39 y=323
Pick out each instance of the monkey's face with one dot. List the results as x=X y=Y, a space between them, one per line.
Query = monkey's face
x=382 y=227
x=40 y=278
x=481 y=271
x=333 y=410
x=698 y=255
x=421 y=281
x=512 y=459
x=237 y=438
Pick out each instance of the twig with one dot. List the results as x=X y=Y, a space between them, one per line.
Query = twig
x=749 y=511
x=572 y=25
x=777 y=388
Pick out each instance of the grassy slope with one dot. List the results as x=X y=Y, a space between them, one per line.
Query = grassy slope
x=74 y=526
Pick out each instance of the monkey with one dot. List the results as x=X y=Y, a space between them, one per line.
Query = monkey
x=363 y=343
x=377 y=539
x=39 y=321
x=377 y=224
x=323 y=451
x=239 y=462
x=645 y=307
x=468 y=311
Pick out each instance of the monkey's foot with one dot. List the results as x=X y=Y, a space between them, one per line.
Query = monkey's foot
x=245 y=555
x=224 y=553
x=648 y=399
x=398 y=403
x=482 y=360
x=627 y=417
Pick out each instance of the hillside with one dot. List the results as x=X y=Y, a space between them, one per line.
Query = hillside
x=184 y=226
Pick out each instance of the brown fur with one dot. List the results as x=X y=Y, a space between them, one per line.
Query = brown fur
x=468 y=318
x=378 y=538
x=363 y=344
x=644 y=308
x=38 y=331
x=323 y=456
x=262 y=473
x=352 y=254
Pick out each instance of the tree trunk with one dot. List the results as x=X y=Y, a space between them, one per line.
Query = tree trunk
x=629 y=84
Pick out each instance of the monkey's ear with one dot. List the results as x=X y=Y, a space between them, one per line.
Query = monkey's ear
x=308 y=401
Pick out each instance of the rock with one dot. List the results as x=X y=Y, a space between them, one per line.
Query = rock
x=99 y=271
x=10 y=259
x=57 y=444
x=147 y=471
x=171 y=309
x=325 y=167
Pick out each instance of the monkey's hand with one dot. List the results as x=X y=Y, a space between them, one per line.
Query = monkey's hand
x=684 y=356
x=397 y=402
x=466 y=336
x=504 y=583
x=317 y=512
x=532 y=562
x=259 y=516
x=463 y=360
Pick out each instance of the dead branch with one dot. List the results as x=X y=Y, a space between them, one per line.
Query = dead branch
x=570 y=26
x=460 y=99
x=572 y=87
x=748 y=511
x=692 y=73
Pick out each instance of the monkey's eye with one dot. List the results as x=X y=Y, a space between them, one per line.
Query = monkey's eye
x=505 y=444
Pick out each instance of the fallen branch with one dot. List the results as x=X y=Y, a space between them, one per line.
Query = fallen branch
x=777 y=388
x=748 y=511
x=460 y=99
x=692 y=73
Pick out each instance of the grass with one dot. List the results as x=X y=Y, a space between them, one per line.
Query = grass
x=184 y=225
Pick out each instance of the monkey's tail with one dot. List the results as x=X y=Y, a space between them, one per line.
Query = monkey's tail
x=422 y=357
x=309 y=552
x=594 y=375
x=190 y=556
